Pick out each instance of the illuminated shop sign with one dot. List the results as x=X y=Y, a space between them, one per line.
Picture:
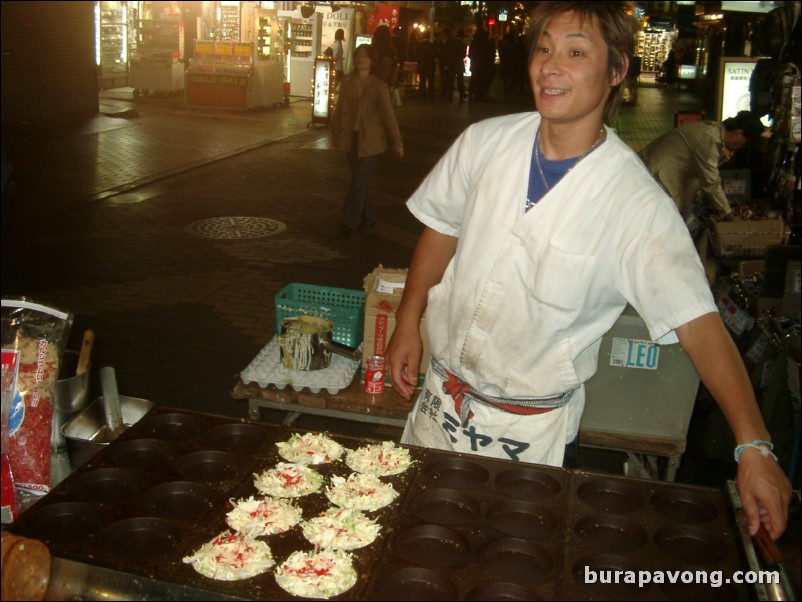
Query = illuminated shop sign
x=321 y=95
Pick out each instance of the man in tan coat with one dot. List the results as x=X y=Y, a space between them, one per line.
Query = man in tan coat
x=688 y=157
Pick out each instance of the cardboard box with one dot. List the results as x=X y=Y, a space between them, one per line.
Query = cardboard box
x=761 y=306
x=749 y=238
x=383 y=290
x=752 y=267
x=737 y=184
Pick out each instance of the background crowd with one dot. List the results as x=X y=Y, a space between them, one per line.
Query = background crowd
x=443 y=58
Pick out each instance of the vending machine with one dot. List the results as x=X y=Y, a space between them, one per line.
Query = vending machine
x=263 y=29
x=111 y=44
x=301 y=36
x=267 y=35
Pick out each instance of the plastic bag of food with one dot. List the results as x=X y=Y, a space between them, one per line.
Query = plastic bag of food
x=37 y=335
x=8 y=498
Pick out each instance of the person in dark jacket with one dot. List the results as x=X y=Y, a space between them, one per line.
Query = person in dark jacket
x=668 y=70
x=427 y=64
x=385 y=57
x=439 y=47
x=482 y=54
x=454 y=65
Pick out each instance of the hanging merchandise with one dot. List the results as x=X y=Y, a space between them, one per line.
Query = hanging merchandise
x=775 y=92
x=766 y=75
x=653 y=46
x=784 y=146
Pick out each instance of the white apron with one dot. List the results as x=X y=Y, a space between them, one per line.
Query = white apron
x=538 y=439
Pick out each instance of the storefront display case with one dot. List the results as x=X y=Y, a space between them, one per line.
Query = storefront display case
x=157 y=65
x=221 y=74
x=111 y=29
x=270 y=58
x=301 y=37
x=268 y=35
x=227 y=74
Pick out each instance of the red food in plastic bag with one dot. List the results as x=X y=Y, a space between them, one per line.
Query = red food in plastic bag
x=37 y=333
x=8 y=498
x=29 y=435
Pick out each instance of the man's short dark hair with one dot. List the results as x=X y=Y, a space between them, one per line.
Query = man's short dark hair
x=747 y=122
x=617 y=25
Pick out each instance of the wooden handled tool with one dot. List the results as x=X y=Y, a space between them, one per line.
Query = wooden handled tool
x=86 y=352
x=770 y=555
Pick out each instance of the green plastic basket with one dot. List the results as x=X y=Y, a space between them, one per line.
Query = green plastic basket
x=344 y=307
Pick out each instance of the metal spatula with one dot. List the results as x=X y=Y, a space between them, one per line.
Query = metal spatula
x=111 y=401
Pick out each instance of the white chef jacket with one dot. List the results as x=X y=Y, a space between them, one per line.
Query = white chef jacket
x=525 y=301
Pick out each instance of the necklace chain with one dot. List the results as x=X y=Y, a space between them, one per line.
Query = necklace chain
x=599 y=139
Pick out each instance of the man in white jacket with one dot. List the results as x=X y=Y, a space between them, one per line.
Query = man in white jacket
x=539 y=229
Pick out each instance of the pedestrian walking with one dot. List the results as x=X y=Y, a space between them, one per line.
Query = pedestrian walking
x=363 y=126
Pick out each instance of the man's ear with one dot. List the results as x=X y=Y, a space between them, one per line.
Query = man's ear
x=619 y=76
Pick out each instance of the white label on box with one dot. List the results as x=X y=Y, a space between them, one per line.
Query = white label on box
x=634 y=353
x=756 y=351
x=736 y=319
x=388 y=288
x=734 y=187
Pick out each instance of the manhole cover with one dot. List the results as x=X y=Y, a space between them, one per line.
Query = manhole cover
x=236 y=227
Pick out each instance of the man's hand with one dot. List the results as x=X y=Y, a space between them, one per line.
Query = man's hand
x=765 y=492
x=429 y=261
x=764 y=489
x=403 y=357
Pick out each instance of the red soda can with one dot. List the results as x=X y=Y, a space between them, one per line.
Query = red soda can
x=374 y=374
